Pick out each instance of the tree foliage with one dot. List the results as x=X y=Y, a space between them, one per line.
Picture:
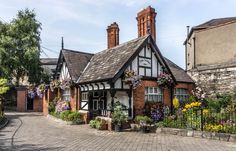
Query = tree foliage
x=3 y=86
x=20 y=48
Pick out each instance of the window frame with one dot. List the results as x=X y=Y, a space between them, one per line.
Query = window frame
x=152 y=92
x=66 y=94
x=181 y=95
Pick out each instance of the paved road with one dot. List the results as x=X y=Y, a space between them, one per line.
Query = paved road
x=32 y=131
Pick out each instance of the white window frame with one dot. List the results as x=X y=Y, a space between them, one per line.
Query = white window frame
x=152 y=92
x=66 y=95
x=84 y=96
x=181 y=94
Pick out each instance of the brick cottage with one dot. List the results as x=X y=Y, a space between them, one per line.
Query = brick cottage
x=100 y=79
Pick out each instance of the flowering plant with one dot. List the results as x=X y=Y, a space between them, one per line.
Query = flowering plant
x=198 y=93
x=54 y=84
x=165 y=79
x=132 y=79
x=191 y=106
x=62 y=106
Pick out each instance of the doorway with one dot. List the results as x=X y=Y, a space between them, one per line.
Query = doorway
x=30 y=104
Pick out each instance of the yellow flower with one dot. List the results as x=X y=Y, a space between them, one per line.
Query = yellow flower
x=175 y=103
x=184 y=110
x=187 y=106
x=205 y=111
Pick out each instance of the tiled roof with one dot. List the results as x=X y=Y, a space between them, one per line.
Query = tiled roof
x=215 y=22
x=211 y=23
x=179 y=73
x=48 y=61
x=76 y=62
x=49 y=64
x=106 y=64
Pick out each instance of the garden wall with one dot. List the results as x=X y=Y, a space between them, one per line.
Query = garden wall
x=215 y=80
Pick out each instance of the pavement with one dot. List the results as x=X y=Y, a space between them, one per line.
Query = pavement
x=34 y=132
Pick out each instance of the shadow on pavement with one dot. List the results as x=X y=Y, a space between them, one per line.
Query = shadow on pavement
x=29 y=147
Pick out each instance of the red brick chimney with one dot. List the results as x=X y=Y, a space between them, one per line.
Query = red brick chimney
x=112 y=35
x=147 y=22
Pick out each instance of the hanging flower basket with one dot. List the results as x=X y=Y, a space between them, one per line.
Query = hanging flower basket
x=65 y=84
x=132 y=79
x=165 y=80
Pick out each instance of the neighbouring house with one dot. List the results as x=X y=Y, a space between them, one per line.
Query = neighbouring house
x=25 y=103
x=127 y=72
x=211 y=55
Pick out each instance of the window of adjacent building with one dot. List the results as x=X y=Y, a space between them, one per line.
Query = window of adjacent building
x=84 y=96
x=66 y=94
x=153 y=94
x=181 y=94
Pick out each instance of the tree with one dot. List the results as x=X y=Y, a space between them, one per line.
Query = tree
x=3 y=89
x=20 y=48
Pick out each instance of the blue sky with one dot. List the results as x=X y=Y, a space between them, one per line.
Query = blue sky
x=83 y=23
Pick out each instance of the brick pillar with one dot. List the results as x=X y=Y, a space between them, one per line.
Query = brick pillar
x=47 y=97
x=73 y=98
x=21 y=99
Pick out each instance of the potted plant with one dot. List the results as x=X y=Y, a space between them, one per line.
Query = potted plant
x=119 y=118
x=144 y=123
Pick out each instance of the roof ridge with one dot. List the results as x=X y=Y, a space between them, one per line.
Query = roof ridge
x=124 y=43
x=206 y=24
x=75 y=51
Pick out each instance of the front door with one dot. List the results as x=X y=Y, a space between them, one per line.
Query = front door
x=30 y=103
x=99 y=100
x=98 y=103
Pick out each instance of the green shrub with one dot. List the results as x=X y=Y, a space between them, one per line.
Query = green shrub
x=160 y=124
x=219 y=102
x=51 y=107
x=92 y=123
x=145 y=119
x=65 y=115
x=95 y=123
x=73 y=116
x=98 y=124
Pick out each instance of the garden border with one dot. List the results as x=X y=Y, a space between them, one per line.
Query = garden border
x=60 y=121
x=198 y=134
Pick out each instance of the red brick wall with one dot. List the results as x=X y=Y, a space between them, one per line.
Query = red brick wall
x=139 y=94
x=186 y=86
x=21 y=99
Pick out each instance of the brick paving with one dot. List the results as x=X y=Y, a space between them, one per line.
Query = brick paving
x=32 y=131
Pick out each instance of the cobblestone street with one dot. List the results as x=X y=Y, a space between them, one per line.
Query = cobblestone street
x=32 y=131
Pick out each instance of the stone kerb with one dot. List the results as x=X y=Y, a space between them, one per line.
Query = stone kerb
x=199 y=134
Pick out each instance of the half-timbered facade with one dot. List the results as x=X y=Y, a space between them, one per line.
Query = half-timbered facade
x=102 y=82
x=69 y=67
